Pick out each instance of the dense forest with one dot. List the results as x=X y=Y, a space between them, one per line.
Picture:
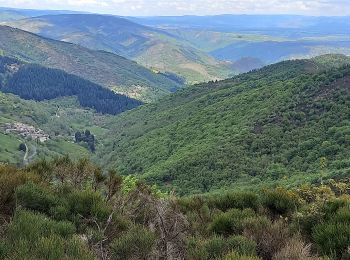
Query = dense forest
x=273 y=125
x=39 y=83
x=64 y=209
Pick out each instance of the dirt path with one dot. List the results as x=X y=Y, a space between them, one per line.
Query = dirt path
x=29 y=157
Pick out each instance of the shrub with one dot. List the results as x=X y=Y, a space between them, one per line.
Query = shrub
x=88 y=204
x=35 y=197
x=242 y=245
x=196 y=250
x=269 y=237
x=294 y=249
x=34 y=236
x=237 y=256
x=230 y=222
x=280 y=201
x=240 y=200
x=217 y=247
x=10 y=179
x=332 y=238
x=31 y=226
x=137 y=243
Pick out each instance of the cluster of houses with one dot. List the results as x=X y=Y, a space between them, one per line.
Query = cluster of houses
x=26 y=131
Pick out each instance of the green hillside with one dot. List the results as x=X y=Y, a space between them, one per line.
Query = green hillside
x=35 y=82
x=103 y=68
x=274 y=125
x=153 y=48
x=60 y=118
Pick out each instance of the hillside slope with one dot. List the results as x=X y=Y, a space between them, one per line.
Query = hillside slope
x=106 y=69
x=268 y=126
x=39 y=83
x=154 y=48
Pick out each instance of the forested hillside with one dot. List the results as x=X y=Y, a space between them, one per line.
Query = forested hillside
x=286 y=123
x=39 y=83
x=103 y=68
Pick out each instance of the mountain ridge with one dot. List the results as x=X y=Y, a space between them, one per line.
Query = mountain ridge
x=107 y=69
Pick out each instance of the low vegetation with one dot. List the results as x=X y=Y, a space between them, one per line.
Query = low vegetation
x=64 y=209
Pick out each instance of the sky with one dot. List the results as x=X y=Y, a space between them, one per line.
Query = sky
x=190 y=7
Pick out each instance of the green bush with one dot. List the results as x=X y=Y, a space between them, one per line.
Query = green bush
x=196 y=250
x=137 y=243
x=34 y=236
x=230 y=222
x=217 y=247
x=332 y=239
x=34 y=197
x=237 y=256
x=88 y=204
x=242 y=245
x=280 y=201
x=31 y=226
x=240 y=200
x=10 y=180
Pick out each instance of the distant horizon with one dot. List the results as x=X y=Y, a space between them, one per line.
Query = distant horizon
x=70 y=11
x=151 y=8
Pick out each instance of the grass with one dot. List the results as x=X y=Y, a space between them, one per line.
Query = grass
x=9 y=149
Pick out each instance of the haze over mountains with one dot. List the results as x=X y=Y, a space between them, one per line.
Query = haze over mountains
x=199 y=48
x=107 y=69
x=153 y=48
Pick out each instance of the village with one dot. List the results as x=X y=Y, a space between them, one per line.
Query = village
x=26 y=131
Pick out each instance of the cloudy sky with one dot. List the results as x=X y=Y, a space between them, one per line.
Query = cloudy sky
x=185 y=7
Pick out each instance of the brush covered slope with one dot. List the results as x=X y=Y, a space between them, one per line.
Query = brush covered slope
x=153 y=48
x=39 y=83
x=273 y=125
x=103 y=68
x=66 y=209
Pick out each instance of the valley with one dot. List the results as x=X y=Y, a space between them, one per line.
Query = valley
x=194 y=137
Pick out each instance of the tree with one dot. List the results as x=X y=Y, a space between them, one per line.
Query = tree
x=22 y=147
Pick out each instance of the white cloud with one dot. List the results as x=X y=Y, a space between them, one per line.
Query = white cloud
x=182 y=7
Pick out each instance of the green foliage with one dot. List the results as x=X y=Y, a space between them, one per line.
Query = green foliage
x=35 y=236
x=217 y=247
x=238 y=256
x=35 y=197
x=236 y=134
x=231 y=222
x=88 y=204
x=240 y=200
x=142 y=242
x=40 y=83
x=333 y=235
x=280 y=201
x=10 y=180
x=56 y=219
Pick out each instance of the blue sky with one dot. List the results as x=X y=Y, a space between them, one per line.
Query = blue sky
x=186 y=7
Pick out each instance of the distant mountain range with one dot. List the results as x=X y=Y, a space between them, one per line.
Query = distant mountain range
x=154 y=48
x=198 y=48
x=287 y=25
x=104 y=68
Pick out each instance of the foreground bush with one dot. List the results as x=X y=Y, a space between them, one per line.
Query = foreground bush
x=34 y=236
x=231 y=222
x=137 y=243
x=217 y=247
